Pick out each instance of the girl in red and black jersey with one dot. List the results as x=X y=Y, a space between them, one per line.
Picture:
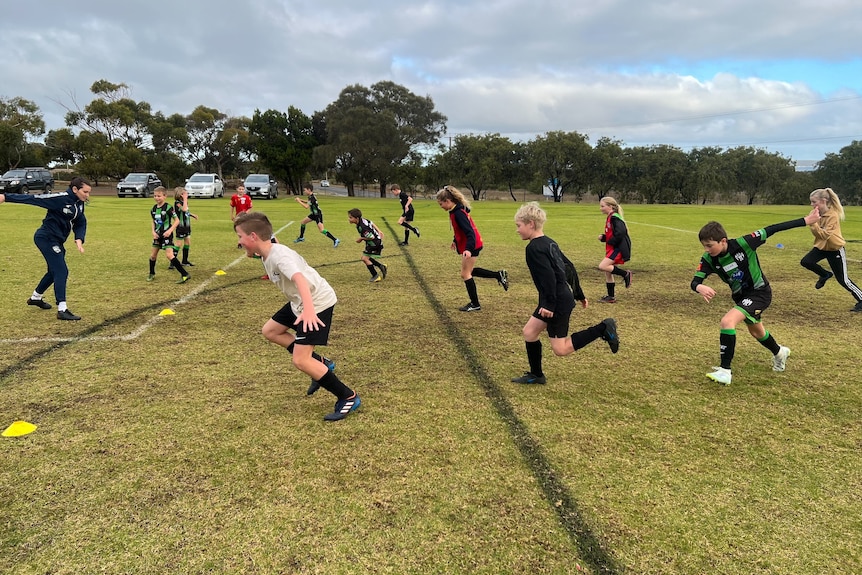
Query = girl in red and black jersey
x=618 y=247
x=468 y=243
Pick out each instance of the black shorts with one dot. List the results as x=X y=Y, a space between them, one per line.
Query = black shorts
x=183 y=232
x=286 y=317
x=408 y=215
x=372 y=250
x=316 y=218
x=164 y=243
x=753 y=303
x=558 y=326
x=475 y=254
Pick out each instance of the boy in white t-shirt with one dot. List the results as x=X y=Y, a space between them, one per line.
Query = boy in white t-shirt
x=308 y=311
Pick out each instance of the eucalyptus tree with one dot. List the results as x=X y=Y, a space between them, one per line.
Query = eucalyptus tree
x=20 y=123
x=561 y=161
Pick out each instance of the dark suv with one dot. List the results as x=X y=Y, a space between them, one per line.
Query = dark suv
x=22 y=180
x=138 y=184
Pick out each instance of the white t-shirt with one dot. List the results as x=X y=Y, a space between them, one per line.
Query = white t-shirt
x=283 y=263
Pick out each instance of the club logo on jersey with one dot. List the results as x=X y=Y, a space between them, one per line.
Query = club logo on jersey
x=739 y=257
x=69 y=210
x=757 y=234
x=746 y=302
x=737 y=275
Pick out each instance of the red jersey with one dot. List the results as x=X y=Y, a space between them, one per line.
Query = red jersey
x=467 y=236
x=242 y=203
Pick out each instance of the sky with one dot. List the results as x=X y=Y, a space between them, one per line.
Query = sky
x=778 y=75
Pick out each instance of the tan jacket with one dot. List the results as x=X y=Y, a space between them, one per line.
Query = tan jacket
x=827 y=232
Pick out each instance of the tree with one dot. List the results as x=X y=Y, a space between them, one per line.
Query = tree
x=514 y=168
x=477 y=160
x=843 y=173
x=215 y=140
x=371 y=131
x=606 y=165
x=284 y=143
x=20 y=121
x=561 y=161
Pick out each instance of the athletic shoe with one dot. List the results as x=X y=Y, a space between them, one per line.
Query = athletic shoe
x=315 y=385
x=530 y=378
x=384 y=269
x=779 y=360
x=720 y=375
x=336 y=243
x=607 y=299
x=403 y=244
x=857 y=307
x=374 y=278
x=628 y=279
x=343 y=408
x=151 y=277
x=188 y=264
x=822 y=280
x=610 y=334
x=416 y=231
x=184 y=279
x=470 y=307
x=67 y=315
x=40 y=303
x=264 y=277
x=171 y=266
x=503 y=279
x=298 y=240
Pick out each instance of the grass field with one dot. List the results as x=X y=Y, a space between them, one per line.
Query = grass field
x=186 y=443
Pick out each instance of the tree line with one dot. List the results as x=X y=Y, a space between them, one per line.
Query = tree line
x=377 y=135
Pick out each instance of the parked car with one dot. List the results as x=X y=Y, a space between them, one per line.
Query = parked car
x=205 y=186
x=138 y=184
x=261 y=185
x=324 y=183
x=23 y=180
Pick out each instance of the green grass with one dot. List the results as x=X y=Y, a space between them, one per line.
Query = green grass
x=186 y=444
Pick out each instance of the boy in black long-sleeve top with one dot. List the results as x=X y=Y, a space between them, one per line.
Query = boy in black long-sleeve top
x=548 y=268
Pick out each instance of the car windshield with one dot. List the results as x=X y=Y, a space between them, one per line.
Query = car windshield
x=256 y=179
x=15 y=174
x=201 y=178
x=136 y=178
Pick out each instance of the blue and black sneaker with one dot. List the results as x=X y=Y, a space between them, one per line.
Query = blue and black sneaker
x=610 y=334
x=343 y=408
x=315 y=385
x=530 y=378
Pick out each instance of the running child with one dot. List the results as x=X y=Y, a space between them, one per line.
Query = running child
x=164 y=222
x=315 y=215
x=373 y=238
x=468 y=243
x=547 y=266
x=239 y=202
x=736 y=263
x=618 y=247
x=829 y=244
x=407 y=214
x=308 y=311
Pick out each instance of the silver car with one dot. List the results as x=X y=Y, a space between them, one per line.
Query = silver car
x=261 y=185
x=140 y=185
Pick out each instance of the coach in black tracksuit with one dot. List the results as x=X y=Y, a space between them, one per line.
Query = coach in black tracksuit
x=65 y=215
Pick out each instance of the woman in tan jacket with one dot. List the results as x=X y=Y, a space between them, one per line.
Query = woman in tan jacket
x=829 y=244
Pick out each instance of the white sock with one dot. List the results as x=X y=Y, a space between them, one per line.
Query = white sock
x=36 y=295
x=61 y=306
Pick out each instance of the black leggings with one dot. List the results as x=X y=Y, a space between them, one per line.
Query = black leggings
x=838 y=262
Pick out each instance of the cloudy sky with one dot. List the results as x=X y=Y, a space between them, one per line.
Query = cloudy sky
x=782 y=75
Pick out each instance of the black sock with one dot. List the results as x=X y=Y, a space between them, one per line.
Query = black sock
x=483 y=273
x=534 y=357
x=377 y=264
x=610 y=286
x=406 y=235
x=470 y=284
x=618 y=271
x=589 y=335
x=302 y=230
x=152 y=267
x=185 y=254
x=371 y=269
x=727 y=347
x=330 y=236
x=333 y=385
x=179 y=267
x=769 y=343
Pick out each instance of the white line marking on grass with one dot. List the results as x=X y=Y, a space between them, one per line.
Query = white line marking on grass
x=137 y=332
x=662 y=227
